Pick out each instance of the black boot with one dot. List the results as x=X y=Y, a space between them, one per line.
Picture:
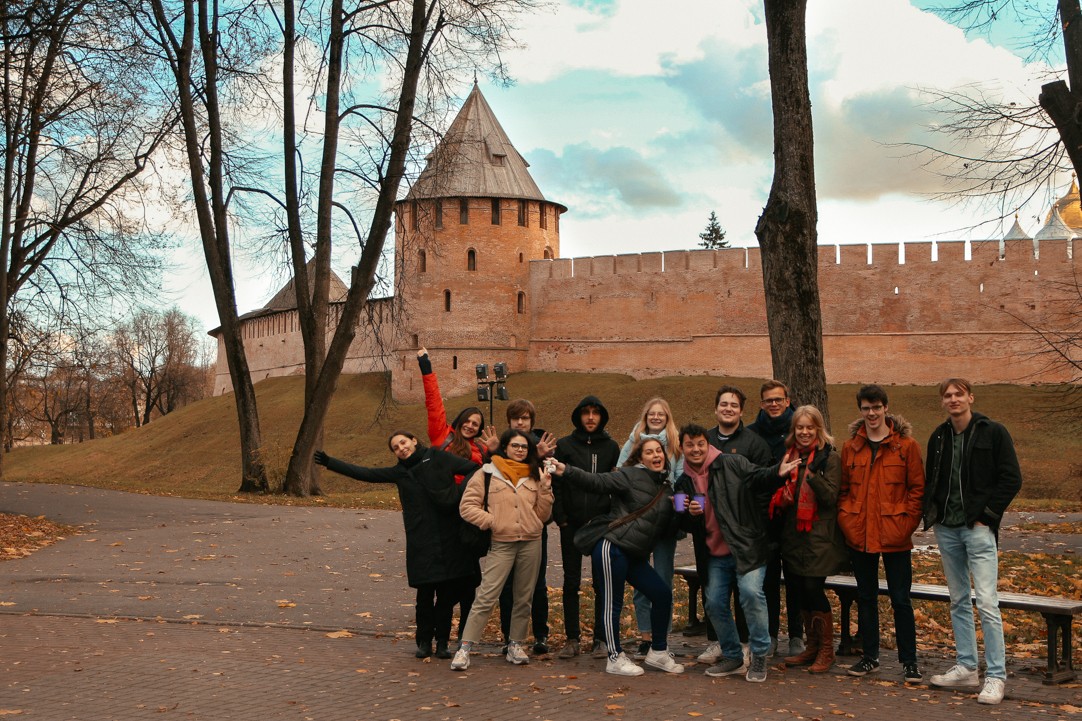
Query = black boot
x=424 y=649
x=441 y=650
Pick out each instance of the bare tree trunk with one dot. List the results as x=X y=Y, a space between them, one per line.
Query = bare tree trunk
x=212 y=218
x=363 y=276
x=787 y=228
x=1060 y=101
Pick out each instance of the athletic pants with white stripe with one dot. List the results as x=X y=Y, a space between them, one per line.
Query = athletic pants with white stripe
x=612 y=568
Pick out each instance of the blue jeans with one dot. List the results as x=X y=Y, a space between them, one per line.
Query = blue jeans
x=612 y=569
x=972 y=553
x=664 y=561
x=719 y=583
x=898 y=566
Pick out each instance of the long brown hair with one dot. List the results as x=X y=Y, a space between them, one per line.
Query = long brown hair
x=462 y=446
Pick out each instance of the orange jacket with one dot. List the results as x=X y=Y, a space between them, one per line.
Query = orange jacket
x=879 y=505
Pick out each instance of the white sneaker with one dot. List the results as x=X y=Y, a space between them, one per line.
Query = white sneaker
x=516 y=655
x=461 y=661
x=711 y=654
x=992 y=693
x=623 y=666
x=663 y=661
x=958 y=675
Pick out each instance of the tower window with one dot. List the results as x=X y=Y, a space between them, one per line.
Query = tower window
x=471 y=259
x=495 y=211
x=463 y=211
x=523 y=213
x=415 y=219
x=541 y=214
x=548 y=253
x=439 y=213
x=454 y=363
x=447 y=301
x=521 y=302
x=521 y=257
x=422 y=261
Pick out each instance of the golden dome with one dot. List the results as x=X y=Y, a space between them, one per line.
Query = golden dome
x=1069 y=207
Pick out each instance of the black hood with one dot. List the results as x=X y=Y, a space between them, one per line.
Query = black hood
x=576 y=420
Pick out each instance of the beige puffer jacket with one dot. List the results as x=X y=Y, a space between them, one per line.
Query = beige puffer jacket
x=515 y=513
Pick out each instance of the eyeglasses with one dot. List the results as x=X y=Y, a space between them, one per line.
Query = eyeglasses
x=774 y=401
x=872 y=409
x=519 y=446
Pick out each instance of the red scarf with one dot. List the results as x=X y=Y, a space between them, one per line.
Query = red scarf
x=807 y=510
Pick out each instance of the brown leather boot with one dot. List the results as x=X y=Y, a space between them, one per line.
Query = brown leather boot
x=825 y=658
x=811 y=648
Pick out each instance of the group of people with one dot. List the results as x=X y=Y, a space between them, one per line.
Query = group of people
x=769 y=501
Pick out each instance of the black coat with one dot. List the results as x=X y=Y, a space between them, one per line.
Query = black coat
x=631 y=488
x=593 y=452
x=991 y=477
x=429 y=497
x=822 y=550
x=743 y=442
x=739 y=493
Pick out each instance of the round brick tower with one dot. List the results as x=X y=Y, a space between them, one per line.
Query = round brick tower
x=464 y=237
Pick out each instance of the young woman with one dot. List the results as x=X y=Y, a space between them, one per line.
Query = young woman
x=462 y=435
x=519 y=502
x=620 y=543
x=437 y=565
x=812 y=544
x=656 y=422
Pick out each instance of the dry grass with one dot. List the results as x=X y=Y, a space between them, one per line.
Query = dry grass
x=194 y=451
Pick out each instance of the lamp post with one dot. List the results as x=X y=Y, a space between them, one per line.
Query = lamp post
x=485 y=384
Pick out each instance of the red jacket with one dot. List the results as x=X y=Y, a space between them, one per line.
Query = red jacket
x=439 y=430
x=880 y=502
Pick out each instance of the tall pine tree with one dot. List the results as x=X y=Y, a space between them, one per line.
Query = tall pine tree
x=713 y=238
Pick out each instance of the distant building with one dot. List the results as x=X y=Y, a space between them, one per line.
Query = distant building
x=479 y=279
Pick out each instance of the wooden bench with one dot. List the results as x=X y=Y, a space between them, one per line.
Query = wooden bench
x=1058 y=614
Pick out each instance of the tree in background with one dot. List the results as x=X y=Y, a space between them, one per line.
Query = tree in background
x=713 y=237
x=81 y=120
x=787 y=228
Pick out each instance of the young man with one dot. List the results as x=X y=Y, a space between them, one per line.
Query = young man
x=521 y=415
x=772 y=425
x=590 y=448
x=879 y=507
x=972 y=476
x=730 y=436
x=732 y=527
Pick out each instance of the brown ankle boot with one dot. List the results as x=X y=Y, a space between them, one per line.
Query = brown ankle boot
x=824 y=660
x=811 y=648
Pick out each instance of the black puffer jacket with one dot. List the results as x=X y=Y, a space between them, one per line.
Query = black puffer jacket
x=820 y=551
x=632 y=488
x=430 y=497
x=593 y=452
x=739 y=493
x=991 y=477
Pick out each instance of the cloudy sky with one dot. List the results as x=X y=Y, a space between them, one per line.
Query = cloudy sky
x=643 y=121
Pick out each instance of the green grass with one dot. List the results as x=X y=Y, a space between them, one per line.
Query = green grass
x=194 y=452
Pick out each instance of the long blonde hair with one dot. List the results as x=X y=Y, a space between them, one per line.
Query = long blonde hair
x=825 y=439
x=672 y=434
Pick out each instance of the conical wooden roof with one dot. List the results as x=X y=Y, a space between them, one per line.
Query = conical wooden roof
x=475 y=159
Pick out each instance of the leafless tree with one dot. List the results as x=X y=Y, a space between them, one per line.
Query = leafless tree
x=207 y=50
x=80 y=125
x=786 y=230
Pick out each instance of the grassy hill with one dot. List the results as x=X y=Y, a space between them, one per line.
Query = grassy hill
x=193 y=452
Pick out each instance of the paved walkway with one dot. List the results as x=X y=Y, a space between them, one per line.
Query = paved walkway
x=168 y=607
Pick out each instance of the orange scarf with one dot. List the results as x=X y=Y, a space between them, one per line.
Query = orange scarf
x=513 y=471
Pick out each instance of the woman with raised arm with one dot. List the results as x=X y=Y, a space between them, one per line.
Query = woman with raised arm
x=462 y=436
x=512 y=497
x=442 y=571
x=812 y=544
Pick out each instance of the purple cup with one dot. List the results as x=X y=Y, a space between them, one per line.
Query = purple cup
x=700 y=498
x=680 y=500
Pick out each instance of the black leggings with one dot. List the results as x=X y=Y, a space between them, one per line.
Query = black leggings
x=811 y=591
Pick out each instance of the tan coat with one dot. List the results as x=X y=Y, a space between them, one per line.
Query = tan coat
x=515 y=513
x=879 y=505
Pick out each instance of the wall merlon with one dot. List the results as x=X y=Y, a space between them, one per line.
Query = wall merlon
x=853 y=257
x=730 y=259
x=598 y=264
x=629 y=263
x=918 y=254
x=651 y=262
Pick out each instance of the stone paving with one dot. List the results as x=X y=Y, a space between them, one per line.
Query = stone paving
x=173 y=608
